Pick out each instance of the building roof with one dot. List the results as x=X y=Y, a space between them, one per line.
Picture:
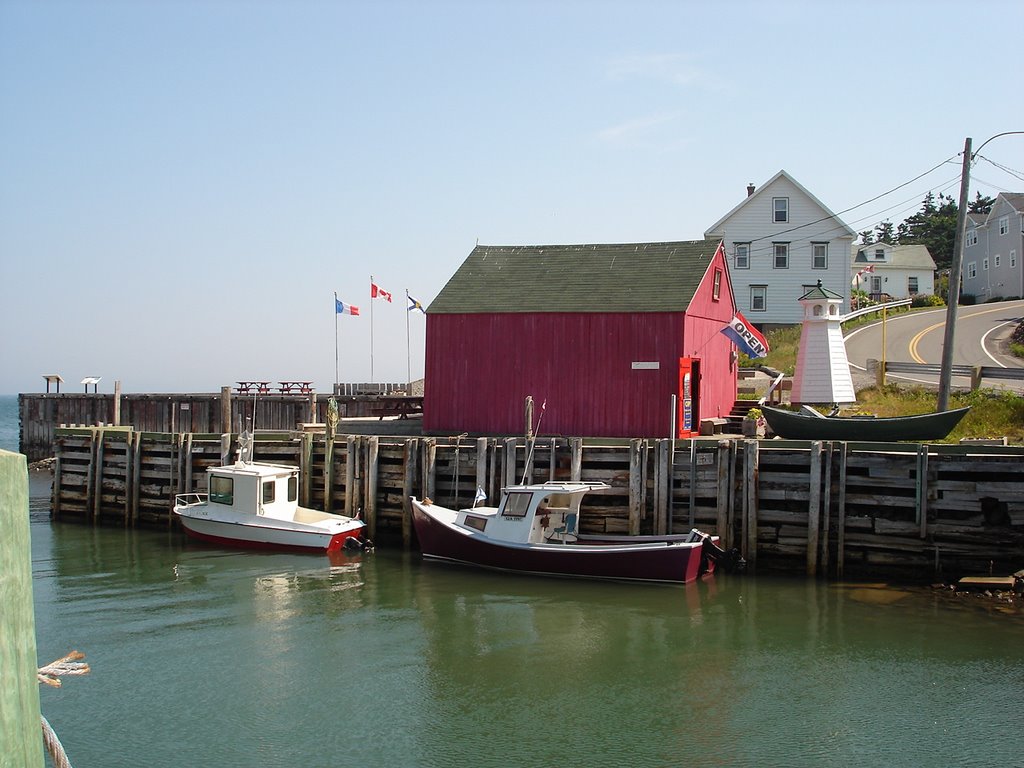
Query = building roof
x=631 y=277
x=900 y=256
x=845 y=229
x=818 y=293
x=1015 y=199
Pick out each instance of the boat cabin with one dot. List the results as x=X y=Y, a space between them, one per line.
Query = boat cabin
x=532 y=514
x=262 y=489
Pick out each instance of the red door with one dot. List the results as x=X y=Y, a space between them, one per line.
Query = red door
x=688 y=416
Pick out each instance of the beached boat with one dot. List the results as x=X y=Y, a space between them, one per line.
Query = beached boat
x=920 y=428
x=535 y=530
x=255 y=505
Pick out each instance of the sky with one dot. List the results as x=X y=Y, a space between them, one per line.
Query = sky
x=184 y=186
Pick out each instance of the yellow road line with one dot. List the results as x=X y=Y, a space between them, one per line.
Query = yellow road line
x=917 y=339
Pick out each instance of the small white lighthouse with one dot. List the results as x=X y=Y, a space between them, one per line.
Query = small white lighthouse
x=822 y=368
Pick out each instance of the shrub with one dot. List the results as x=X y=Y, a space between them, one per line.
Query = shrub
x=926 y=300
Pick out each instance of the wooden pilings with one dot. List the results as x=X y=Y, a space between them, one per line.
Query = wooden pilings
x=824 y=509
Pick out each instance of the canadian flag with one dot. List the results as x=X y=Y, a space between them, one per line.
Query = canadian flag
x=376 y=291
x=869 y=268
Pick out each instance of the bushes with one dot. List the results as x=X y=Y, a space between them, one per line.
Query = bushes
x=923 y=300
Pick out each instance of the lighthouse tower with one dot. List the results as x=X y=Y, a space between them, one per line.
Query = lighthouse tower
x=822 y=368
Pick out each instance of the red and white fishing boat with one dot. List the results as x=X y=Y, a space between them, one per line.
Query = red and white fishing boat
x=534 y=530
x=255 y=505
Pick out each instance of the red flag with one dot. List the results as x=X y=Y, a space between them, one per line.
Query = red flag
x=377 y=292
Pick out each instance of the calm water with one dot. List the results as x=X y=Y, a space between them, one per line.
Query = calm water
x=204 y=657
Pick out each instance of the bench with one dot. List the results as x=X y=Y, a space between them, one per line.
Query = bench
x=712 y=426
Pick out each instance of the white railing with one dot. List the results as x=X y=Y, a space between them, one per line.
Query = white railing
x=190 y=499
x=875 y=308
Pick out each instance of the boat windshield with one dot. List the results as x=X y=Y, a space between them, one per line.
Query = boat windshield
x=516 y=504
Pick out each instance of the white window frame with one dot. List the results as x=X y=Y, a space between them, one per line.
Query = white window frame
x=741 y=251
x=1013 y=258
x=984 y=264
x=759 y=291
x=997 y=259
x=972 y=270
x=879 y=254
x=775 y=255
x=1004 y=225
x=780 y=210
x=972 y=237
x=912 y=284
x=815 y=256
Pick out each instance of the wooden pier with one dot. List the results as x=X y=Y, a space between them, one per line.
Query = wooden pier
x=824 y=509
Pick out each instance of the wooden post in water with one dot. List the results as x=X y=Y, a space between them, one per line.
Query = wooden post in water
x=430 y=468
x=372 y=452
x=813 y=508
x=20 y=735
x=576 y=460
x=635 y=486
x=306 y=470
x=921 y=488
x=329 y=470
x=351 y=457
x=841 y=513
x=724 y=495
x=662 y=486
x=409 y=455
x=750 y=479
x=481 y=465
x=510 y=461
x=826 y=509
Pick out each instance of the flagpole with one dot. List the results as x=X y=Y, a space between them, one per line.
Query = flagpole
x=408 y=353
x=335 y=342
x=372 y=379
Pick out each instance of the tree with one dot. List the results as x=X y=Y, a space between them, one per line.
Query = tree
x=885 y=233
x=933 y=226
x=867 y=237
x=980 y=204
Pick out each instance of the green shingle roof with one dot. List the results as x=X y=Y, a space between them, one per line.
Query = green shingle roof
x=631 y=277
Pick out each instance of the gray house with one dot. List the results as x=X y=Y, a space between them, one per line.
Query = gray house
x=993 y=245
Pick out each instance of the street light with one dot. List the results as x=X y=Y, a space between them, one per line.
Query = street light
x=946 y=370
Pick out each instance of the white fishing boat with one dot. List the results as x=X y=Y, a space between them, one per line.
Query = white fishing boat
x=255 y=505
x=535 y=529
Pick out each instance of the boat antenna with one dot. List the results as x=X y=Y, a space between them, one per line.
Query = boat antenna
x=529 y=456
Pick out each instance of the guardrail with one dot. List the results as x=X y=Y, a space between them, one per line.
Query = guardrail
x=875 y=308
x=976 y=373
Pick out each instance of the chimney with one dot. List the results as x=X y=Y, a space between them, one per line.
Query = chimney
x=750 y=189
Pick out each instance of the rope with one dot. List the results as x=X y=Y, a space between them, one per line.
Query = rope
x=53 y=746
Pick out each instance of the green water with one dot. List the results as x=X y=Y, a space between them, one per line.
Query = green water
x=208 y=657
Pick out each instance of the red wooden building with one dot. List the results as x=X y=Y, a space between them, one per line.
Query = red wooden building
x=604 y=334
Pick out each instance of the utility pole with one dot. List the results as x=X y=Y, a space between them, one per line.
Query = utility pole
x=955 y=270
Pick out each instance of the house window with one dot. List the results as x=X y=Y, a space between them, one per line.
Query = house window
x=780 y=210
x=972 y=237
x=758 y=298
x=997 y=258
x=972 y=270
x=912 y=284
x=984 y=263
x=819 y=255
x=741 y=255
x=879 y=254
x=1013 y=259
x=781 y=251
x=1004 y=225
x=716 y=290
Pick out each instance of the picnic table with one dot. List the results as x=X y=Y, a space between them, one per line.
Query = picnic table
x=402 y=406
x=295 y=387
x=250 y=387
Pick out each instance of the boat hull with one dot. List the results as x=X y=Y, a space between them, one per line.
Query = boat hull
x=669 y=562
x=920 y=428
x=249 y=536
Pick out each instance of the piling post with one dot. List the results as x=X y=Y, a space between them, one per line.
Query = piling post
x=372 y=452
x=841 y=513
x=724 y=495
x=97 y=485
x=750 y=500
x=481 y=464
x=306 y=470
x=429 y=467
x=225 y=409
x=19 y=695
x=116 y=416
x=410 y=453
x=921 y=488
x=662 y=486
x=635 y=486
x=826 y=519
x=813 y=508
x=510 y=461
x=351 y=457
x=136 y=474
x=329 y=471
x=576 y=460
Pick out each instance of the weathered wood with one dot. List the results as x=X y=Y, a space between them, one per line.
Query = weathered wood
x=372 y=444
x=412 y=452
x=922 y=490
x=430 y=469
x=510 y=461
x=635 y=486
x=750 y=499
x=576 y=458
x=814 y=509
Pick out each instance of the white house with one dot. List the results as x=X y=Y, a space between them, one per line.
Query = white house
x=900 y=271
x=993 y=247
x=780 y=241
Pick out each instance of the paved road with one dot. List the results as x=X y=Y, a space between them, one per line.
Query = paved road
x=916 y=337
